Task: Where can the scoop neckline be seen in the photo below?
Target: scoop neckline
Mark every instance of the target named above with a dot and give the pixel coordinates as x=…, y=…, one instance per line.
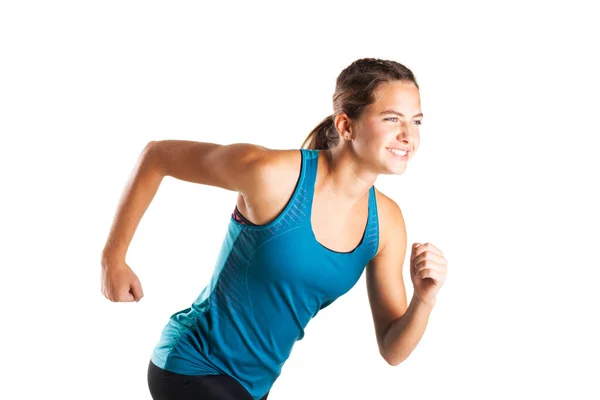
x=310, y=226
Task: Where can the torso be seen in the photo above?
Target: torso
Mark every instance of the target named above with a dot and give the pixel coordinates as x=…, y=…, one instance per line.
x=270, y=281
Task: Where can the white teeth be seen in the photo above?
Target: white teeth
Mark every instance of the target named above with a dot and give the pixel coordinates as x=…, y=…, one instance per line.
x=398, y=152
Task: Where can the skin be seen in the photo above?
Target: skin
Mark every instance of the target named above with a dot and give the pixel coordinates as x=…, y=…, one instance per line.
x=265, y=180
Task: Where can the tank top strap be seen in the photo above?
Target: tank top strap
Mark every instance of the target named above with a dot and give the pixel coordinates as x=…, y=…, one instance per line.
x=306, y=189
x=371, y=236
x=301, y=203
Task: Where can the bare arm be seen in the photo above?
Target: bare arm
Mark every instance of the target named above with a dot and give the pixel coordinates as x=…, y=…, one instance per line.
x=231, y=167
x=399, y=327
x=406, y=332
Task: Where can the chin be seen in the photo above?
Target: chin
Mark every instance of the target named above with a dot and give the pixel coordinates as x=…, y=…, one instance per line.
x=397, y=170
x=392, y=169
x=393, y=166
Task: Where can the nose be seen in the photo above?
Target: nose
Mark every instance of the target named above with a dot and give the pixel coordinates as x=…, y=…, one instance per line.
x=406, y=136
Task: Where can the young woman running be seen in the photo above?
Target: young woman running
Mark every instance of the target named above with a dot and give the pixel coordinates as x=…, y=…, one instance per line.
x=306, y=225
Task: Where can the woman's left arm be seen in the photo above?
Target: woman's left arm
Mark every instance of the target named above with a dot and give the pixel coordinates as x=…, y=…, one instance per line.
x=399, y=327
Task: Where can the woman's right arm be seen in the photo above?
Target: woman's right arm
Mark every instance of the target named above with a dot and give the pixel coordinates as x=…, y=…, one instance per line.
x=233, y=167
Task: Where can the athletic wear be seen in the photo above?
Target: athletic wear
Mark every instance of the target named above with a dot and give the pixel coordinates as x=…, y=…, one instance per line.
x=269, y=282
x=240, y=218
x=166, y=385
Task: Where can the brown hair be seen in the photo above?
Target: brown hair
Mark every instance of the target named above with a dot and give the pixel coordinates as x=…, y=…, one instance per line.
x=354, y=90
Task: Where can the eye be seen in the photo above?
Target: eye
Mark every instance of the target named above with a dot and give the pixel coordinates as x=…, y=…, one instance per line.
x=417, y=122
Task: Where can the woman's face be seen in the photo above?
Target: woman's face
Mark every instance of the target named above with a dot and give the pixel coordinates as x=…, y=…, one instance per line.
x=391, y=122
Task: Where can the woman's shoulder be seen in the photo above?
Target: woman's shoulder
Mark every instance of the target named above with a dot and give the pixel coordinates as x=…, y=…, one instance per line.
x=391, y=219
x=279, y=164
x=386, y=206
x=275, y=175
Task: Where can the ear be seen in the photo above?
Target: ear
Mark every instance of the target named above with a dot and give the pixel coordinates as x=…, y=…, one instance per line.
x=342, y=124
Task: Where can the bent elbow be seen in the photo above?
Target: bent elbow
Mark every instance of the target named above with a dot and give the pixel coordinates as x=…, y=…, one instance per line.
x=394, y=360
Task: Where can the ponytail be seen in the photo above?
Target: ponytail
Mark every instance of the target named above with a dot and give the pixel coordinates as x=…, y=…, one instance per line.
x=322, y=136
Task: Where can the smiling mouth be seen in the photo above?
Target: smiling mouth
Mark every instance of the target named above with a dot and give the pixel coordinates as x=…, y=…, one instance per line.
x=398, y=152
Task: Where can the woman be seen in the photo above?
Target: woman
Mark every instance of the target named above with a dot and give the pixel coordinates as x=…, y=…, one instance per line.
x=306, y=225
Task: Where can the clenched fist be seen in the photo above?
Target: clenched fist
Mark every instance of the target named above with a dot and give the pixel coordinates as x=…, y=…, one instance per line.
x=427, y=270
x=120, y=283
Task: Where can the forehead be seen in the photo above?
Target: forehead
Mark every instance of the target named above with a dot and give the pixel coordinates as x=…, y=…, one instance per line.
x=401, y=96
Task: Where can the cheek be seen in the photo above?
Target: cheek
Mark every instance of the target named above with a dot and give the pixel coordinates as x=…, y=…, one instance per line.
x=373, y=135
x=372, y=138
x=370, y=142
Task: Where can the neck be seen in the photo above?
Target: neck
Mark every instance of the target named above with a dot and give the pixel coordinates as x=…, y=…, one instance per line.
x=343, y=176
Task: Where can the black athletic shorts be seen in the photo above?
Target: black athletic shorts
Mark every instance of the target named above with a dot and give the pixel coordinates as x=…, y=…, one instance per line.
x=166, y=385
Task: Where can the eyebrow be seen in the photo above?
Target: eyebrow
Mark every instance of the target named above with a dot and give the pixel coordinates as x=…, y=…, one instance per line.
x=399, y=113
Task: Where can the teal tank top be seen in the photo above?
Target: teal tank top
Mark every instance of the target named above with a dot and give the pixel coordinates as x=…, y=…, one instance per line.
x=269, y=282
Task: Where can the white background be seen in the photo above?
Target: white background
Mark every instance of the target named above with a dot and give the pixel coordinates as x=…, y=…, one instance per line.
x=505, y=183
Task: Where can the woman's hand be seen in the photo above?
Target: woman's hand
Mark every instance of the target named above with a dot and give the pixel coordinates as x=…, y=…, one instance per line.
x=119, y=282
x=427, y=271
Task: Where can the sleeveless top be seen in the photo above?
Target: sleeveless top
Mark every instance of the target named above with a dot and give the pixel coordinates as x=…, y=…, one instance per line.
x=268, y=283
